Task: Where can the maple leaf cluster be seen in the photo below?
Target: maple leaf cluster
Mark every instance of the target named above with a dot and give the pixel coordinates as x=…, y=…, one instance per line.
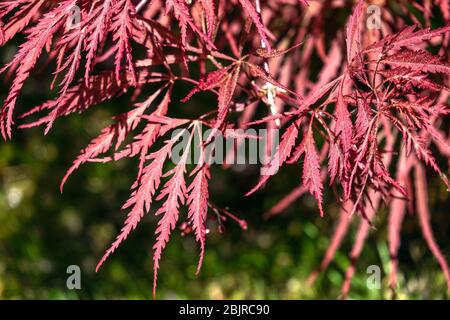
x=365, y=123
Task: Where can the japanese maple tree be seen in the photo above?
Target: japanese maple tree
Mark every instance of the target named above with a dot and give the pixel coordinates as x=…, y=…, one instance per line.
x=360, y=103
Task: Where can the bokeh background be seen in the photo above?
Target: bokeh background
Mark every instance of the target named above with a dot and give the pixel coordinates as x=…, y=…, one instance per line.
x=42, y=232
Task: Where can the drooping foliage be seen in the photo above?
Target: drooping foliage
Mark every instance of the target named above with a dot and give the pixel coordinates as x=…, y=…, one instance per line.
x=365, y=124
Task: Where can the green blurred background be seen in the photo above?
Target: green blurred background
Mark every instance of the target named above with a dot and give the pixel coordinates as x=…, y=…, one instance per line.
x=43, y=232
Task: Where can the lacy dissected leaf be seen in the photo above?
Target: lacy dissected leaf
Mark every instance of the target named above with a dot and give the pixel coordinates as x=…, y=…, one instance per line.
x=419, y=144
x=259, y=72
x=183, y=16
x=311, y=170
x=226, y=92
x=27, y=57
x=353, y=32
x=78, y=98
x=408, y=37
x=198, y=207
x=212, y=80
x=71, y=63
x=210, y=12
x=175, y=193
x=282, y=153
x=363, y=119
x=104, y=141
x=253, y=14
x=122, y=29
x=418, y=61
x=142, y=196
x=144, y=140
x=344, y=126
x=402, y=76
x=342, y=140
x=316, y=95
x=118, y=131
x=23, y=15
x=97, y=34
x=228, y=85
